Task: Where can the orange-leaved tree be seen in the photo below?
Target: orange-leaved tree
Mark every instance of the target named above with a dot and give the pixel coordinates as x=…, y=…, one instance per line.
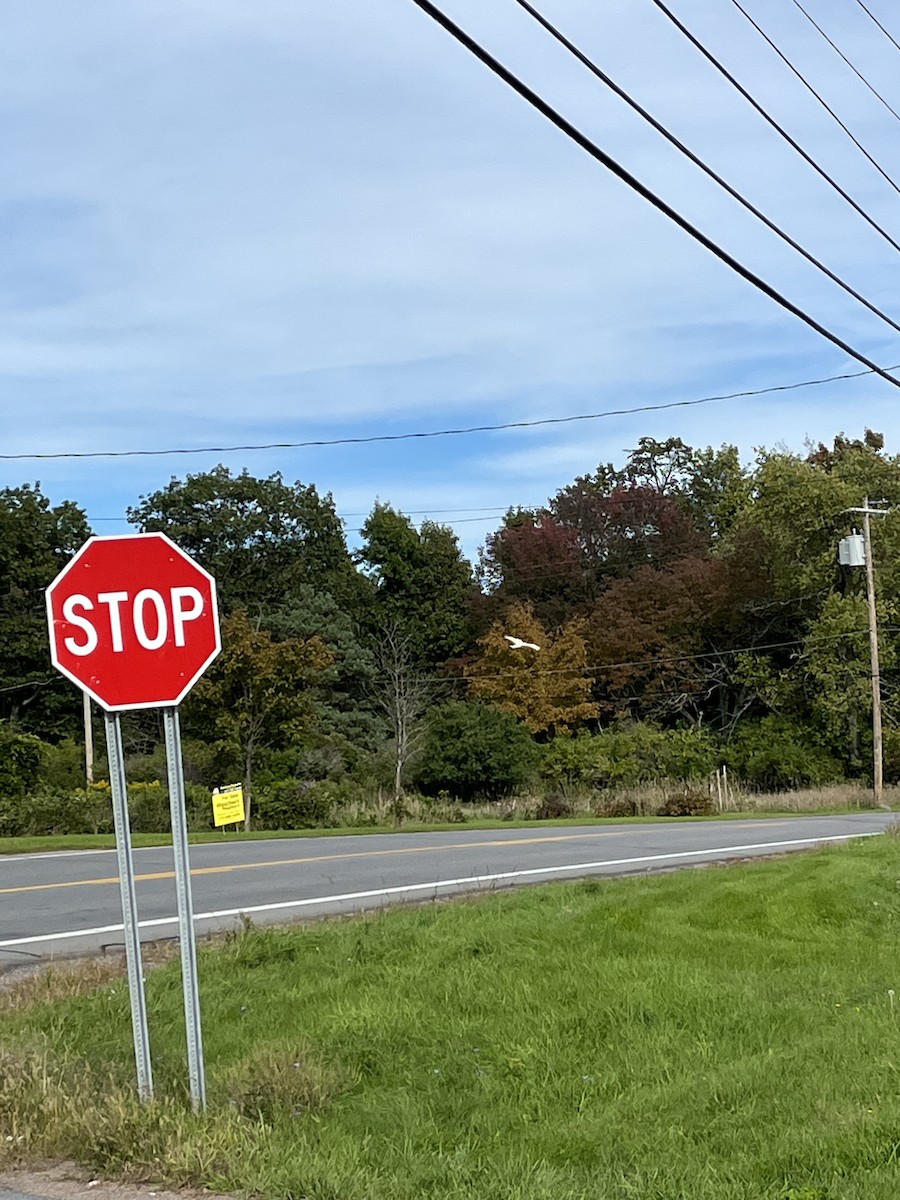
x=548, y=689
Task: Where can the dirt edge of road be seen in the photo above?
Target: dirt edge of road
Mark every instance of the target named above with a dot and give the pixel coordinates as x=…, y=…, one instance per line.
x=68, y=1181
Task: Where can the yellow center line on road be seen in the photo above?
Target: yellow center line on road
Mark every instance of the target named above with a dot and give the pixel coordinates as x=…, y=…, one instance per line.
x=320, y=858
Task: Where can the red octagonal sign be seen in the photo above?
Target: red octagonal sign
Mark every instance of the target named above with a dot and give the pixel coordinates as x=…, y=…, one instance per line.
x=133, y=621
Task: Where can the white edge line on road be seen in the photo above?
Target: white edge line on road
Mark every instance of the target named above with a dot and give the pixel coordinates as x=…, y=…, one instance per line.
x=5, y=858
x=435, y=885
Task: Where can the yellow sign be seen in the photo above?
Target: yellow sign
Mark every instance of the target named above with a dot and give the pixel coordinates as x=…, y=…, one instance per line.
x=228, y=805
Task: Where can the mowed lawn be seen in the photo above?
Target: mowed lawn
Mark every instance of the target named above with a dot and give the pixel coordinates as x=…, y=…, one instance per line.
x=718, y=1034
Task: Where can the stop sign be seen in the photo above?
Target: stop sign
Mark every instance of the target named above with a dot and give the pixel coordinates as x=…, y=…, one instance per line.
x=133, y=621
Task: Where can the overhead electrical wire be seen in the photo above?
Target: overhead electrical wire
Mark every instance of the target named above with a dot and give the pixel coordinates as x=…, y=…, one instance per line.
x=821, y=99
x=448, y=680
x=698, y=162
x=791, y=141
x=642, y=190
x=841, y=54
x=437, y=433
x=890, y=37
x=594, y=668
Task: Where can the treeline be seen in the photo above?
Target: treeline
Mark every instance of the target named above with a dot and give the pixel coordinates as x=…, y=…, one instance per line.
x=685, y=598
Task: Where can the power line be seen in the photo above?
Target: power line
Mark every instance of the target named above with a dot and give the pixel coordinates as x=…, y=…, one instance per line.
x=31, y=683
x=698, y=162
x=437, y=433
x=678, y=658
x=646, y=193
x=869, y=13
x=842, y=55
x=791, y=141
x=824, y=103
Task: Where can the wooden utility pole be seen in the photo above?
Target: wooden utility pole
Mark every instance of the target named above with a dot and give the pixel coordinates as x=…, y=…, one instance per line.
x=88, y=740
x=877, y=753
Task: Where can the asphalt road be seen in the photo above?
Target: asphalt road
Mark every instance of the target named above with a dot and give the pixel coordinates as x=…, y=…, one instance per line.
x=68, y=903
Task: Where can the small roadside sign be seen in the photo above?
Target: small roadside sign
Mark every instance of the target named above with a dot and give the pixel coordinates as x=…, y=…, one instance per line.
x=228, y=805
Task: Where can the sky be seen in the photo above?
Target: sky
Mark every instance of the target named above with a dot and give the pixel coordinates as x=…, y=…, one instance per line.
x=225, y=223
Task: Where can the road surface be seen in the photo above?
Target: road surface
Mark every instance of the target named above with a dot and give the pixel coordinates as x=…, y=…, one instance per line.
x=68, y=903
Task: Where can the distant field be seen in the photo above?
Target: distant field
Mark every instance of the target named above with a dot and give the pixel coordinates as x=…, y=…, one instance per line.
x=724, y=1034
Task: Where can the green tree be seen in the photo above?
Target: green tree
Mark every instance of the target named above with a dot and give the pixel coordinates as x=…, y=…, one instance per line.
x=835, y=656
x=346, y=720
x=259, y=538
x=475, y=750
x=710, y=484
x=423, y=585
x=37, y=539
x=798, y=509
x=257, y=695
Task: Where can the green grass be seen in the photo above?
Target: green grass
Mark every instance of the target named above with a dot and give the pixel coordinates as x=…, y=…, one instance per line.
x=725, y=1034
x=107, y=841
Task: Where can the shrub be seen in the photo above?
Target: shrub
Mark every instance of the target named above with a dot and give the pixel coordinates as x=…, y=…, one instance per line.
x=63, y=765
x=21, y=755
x=689, y=803
x=628, y=754
x=292, y=804
x=776, y=754
x=474, y=750
x=148, y=807
x=146, y=768
x=47, y=811
x=554, y=807
x=610, y=805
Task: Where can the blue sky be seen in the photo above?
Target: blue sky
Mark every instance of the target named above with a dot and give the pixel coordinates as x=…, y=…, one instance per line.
x=224, y=222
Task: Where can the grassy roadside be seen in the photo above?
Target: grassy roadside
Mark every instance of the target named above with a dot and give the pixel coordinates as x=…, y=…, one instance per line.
x=107, y=841
x=723, y=1034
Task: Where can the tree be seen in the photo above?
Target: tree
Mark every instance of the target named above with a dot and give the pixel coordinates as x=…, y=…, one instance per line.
x=645, y=635
x=259, y=538
x=345, y=717
x=534, y=559
x=475, y=750
x=256, y=696
x=629, y=527
x=711, y=485
x=548, y=689
x=835, y=655
x=423, y=585
x=404, y=694
x=36, y=541
x=798, y=510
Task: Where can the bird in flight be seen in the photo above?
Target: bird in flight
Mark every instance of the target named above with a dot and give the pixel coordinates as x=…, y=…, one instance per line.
x=518, y=644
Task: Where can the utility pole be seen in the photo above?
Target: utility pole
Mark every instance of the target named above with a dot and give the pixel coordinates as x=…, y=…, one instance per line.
x=88, y=739
x=846, y=557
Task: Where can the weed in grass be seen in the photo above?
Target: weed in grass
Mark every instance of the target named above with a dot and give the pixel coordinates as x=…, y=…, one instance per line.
x=281, y=1080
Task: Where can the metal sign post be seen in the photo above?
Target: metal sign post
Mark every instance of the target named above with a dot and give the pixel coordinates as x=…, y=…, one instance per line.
x=174, y=764
x=129, y=906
